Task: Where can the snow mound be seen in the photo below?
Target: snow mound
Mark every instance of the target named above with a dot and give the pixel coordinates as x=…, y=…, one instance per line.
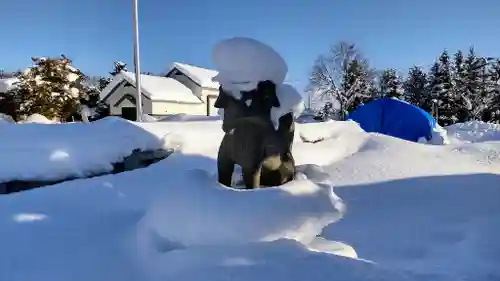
x=413, y=211
x=298, y=210
x=185, y=117
x=446, y=232
x=38, y=119
x=148, y=118
x=440, y=201
x=474, y=131
x=439, y=136
x=243, y=62
x=318, y=131
x=320, y=244
x=382, y=158
x=59, y=151
x=278, y=260
x=6, y=119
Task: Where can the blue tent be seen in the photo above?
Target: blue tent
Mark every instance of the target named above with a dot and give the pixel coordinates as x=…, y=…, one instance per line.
x=395, y=118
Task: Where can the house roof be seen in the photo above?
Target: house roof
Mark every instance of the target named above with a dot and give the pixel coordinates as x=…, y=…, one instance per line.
x=5, y=75
x=155, y=87
x=202, y=76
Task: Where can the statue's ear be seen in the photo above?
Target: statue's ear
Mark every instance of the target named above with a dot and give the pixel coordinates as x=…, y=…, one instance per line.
x=222, y=99
x=268, y=90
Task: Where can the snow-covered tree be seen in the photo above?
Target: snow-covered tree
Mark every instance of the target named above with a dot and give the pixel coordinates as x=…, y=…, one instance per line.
x=445, y=72
x=434, y=80
x=494, y=92
x=459, y=75
x=442, y=93
x=475, y=90
x=358, y=84
x=92, y=108
x=391, y=85
x=462, y=105
x=330, y=71
x=52, y=87
x=435, y=88
x=8, y=105
x=416, y=89
x=328, y=111
x=118, y=66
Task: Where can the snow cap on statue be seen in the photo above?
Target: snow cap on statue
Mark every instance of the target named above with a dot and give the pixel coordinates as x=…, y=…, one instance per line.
x=243, y=62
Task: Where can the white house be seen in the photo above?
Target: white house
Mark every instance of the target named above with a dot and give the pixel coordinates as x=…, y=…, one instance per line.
x=185, y=89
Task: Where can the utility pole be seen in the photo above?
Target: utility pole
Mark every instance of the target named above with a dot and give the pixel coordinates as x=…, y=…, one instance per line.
x=137, y=62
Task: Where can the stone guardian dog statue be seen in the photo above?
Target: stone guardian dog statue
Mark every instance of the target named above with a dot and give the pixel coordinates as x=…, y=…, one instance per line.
x=252, y=141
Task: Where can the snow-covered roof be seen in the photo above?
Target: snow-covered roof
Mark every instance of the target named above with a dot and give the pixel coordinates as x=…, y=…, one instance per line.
x=200, y=75
x=157, y=88
x=7, y=84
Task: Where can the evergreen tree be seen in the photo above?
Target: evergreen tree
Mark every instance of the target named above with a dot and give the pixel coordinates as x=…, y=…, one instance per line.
x=474, y=90
x=434, y=88
x=118, y=66
x=442, y=93
x=459, y=73
x=485, y=96
x=356, y=86
x=8, y=105
x=416, y=89
x=103, y=82
x=445, y=72
x=435, y=85
x=494, y=88
x=52, y=87
x=459, y=77
x=391, y=85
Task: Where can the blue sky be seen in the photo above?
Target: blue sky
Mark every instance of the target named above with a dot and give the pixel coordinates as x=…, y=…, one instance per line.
x=391, y=33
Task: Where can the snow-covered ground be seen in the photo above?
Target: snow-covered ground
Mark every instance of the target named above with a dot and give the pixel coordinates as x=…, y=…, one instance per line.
x=474, y=131
x=386, y=209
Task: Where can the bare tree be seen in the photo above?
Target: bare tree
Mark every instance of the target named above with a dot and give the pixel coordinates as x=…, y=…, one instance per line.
x=330, y=71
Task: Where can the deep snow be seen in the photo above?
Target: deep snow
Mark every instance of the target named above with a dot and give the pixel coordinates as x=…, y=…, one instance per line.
x=410, y=211
x=474, y=131
x=57, y=151
x=243, y=62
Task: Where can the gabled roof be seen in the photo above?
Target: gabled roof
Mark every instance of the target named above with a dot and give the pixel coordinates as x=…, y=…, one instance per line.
x=156, y=88
x=202, y=76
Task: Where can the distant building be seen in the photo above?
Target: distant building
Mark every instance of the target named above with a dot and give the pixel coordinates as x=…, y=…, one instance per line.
x=6, y=75
x=184, y=89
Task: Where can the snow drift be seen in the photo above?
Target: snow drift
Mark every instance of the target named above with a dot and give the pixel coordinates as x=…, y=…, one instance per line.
x=474, y=131
x=409, y=208
x=34, y=151
x=300, y=210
